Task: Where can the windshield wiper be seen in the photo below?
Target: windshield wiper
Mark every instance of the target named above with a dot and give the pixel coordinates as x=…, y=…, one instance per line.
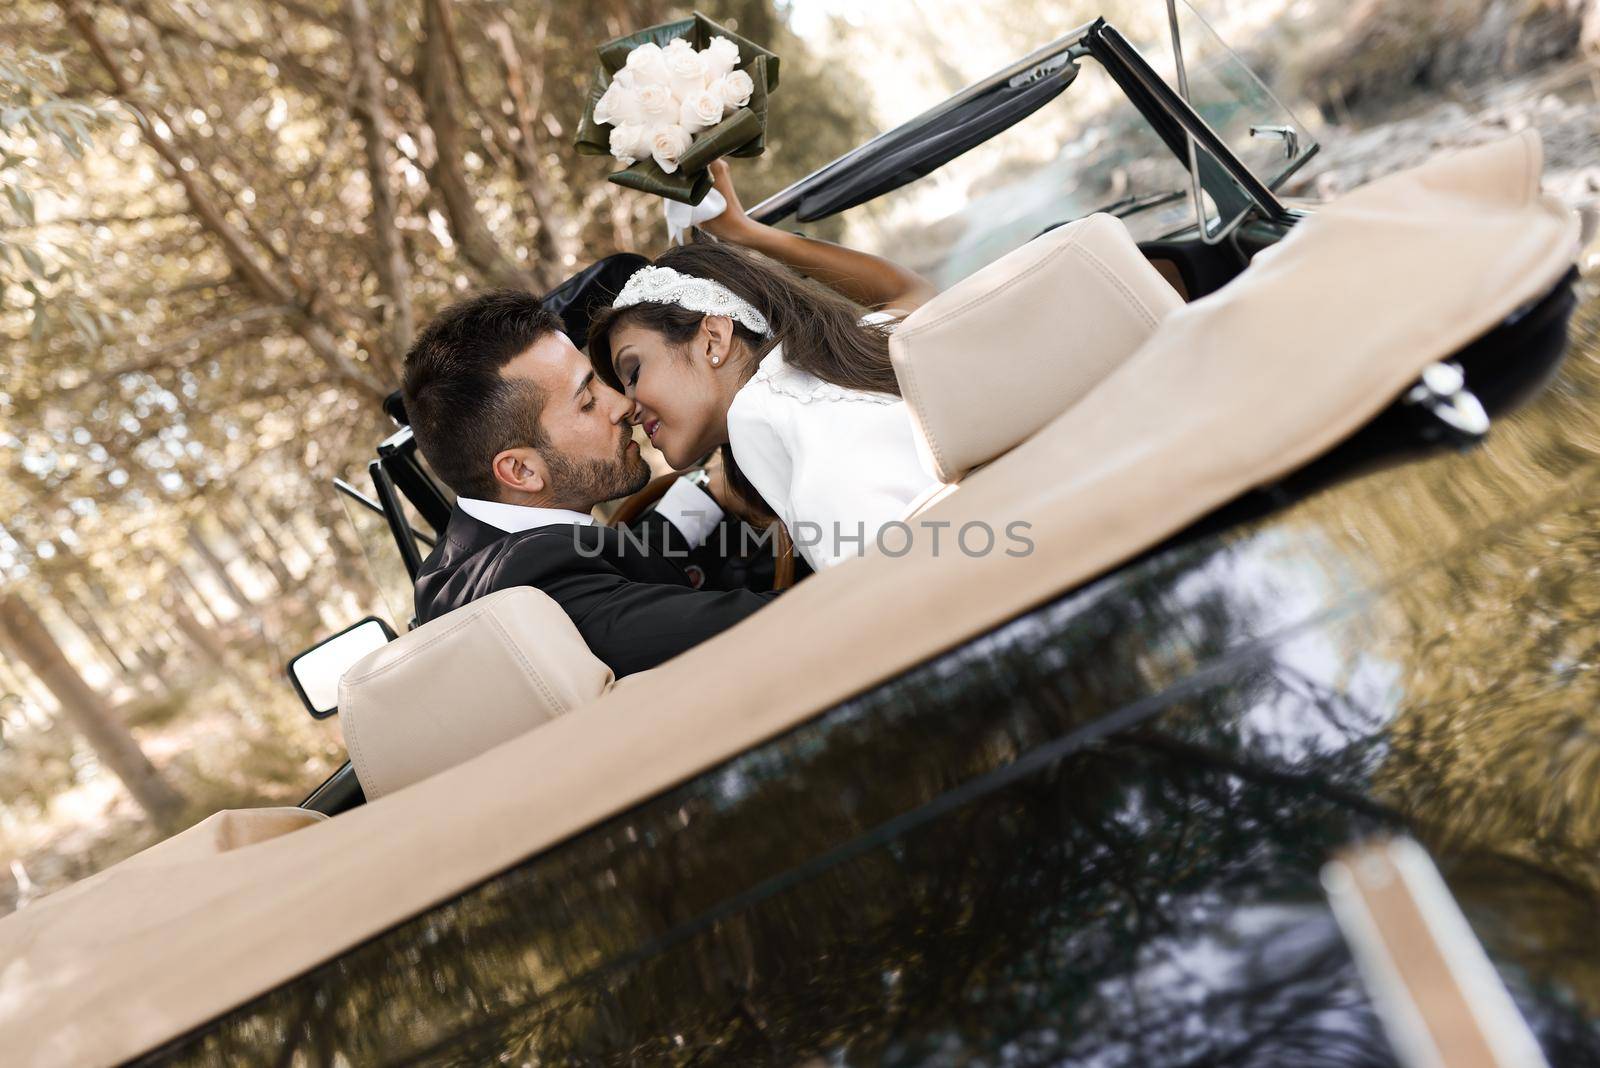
x=1121, y=209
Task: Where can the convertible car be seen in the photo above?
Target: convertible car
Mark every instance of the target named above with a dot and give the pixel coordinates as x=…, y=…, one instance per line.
x=1310, y=503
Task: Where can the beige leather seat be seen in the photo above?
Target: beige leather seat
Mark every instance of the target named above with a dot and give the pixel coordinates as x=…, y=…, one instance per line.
x=991, y=360
x=461, y=685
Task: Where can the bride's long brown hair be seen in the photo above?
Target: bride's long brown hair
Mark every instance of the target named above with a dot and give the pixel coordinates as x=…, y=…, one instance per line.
x=821, y=330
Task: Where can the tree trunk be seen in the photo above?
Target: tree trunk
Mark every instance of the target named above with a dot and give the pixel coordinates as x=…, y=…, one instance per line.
x=219, y=569
x=441, y=105
x=289, y=524
x=83, y=618
x=114, y=623
x=271, y=543
x=551, y=255
x=348, y=559
x=25, y=632
x=203, y=638
x=394, y=269
x=185, y=585
x=258, y=549
x=272, y=528
x=135, y=632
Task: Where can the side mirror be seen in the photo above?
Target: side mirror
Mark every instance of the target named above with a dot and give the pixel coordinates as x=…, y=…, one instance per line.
x=316, y=672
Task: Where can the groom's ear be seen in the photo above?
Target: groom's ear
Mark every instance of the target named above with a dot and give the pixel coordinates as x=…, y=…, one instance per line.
x=716, y=340
x=521, y=471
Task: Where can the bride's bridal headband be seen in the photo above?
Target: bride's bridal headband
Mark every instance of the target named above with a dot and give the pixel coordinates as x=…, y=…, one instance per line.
x=663, y=285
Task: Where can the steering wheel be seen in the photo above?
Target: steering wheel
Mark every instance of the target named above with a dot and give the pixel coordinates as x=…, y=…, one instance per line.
x=636, y=504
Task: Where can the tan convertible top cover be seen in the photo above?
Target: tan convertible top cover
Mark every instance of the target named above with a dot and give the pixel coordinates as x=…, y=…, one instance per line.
x=1232, y=391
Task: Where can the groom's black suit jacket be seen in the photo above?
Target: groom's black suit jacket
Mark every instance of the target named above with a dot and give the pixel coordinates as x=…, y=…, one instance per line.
x=631, y=601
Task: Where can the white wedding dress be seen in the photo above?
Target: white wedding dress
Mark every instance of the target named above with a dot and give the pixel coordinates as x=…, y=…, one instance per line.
x=835, y=464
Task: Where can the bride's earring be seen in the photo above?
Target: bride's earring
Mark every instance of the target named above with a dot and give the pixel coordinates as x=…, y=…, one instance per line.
x=714, y=359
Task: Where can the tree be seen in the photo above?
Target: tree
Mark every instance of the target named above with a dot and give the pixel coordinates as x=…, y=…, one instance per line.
x=220, y=223
x=23, y=632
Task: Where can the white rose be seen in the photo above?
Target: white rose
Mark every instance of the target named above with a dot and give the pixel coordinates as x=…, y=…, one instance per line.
x=657, y=105
x=679, y=44
x=618, y=105
x=688, y=72
x=649, y=65
x=625, y=79
x=667, y=143
x=630, y=143
x=700, y=110
x=721, y=56
x=626, y=106
x=734, y=89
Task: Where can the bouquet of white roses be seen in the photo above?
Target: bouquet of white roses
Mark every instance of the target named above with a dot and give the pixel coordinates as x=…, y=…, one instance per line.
x=669, y=100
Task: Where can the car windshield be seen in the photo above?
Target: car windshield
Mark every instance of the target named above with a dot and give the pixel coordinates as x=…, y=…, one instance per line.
x=1089, y=149
x=383, y=569
x=1251, y=121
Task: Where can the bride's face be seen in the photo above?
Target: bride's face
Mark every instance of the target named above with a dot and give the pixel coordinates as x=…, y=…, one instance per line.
x=681, y=395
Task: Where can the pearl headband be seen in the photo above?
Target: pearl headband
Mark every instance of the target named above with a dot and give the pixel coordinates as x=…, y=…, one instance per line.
x=663, y=285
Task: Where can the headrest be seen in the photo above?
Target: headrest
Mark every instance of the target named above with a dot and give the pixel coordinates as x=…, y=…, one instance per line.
x=999, y=354
x=462, y=684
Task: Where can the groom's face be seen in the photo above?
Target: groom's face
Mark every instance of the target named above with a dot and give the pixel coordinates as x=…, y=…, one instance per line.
x=590, y=455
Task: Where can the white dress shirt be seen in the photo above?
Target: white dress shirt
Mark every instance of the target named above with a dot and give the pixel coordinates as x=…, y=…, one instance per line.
x=842, y=461
x=684, y=505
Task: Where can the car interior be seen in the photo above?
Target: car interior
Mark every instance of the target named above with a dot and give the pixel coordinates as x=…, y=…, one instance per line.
x=525, y=658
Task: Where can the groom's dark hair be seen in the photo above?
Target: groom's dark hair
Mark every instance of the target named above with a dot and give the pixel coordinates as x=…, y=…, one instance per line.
x=462, y=411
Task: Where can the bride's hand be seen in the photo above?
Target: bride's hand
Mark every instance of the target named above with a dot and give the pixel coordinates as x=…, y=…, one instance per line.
x=733, y=224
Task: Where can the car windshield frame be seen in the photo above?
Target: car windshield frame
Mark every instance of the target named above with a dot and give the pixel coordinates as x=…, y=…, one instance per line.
x=1231, y=184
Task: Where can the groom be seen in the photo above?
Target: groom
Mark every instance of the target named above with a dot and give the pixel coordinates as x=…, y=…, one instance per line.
x=511, y=416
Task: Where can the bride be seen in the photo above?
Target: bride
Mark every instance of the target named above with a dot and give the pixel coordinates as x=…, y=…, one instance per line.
x=721, y=345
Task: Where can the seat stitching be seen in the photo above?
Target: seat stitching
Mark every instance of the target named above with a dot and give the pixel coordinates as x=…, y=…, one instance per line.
x=433, y=639
x=364, y=772
x=1117, y=282
x=914, y=388
x=528, y=668
x=915, y=328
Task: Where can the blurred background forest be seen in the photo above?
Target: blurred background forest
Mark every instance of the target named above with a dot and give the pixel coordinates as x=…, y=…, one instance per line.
x=221, y=221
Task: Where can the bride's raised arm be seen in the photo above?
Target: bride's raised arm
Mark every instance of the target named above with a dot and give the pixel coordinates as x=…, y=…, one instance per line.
x=868, y=280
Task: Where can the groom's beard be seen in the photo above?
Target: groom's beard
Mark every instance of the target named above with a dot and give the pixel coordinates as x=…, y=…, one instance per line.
x=595, y=481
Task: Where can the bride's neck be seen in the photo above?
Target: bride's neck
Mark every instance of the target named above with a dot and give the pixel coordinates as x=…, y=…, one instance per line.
x=728, y=382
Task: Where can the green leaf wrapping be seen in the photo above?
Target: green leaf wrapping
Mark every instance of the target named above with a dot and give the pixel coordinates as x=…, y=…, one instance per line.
x=744, y=133
x=593, y=138
x=758, y=106
x=690, y=187
x=728, y=136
